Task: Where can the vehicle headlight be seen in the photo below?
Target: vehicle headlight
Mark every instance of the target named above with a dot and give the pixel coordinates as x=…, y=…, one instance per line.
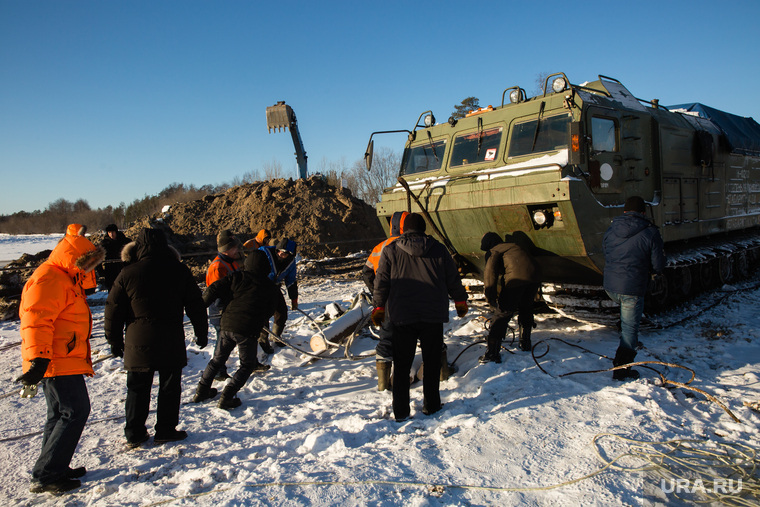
x=514, y=96
x=559, y=84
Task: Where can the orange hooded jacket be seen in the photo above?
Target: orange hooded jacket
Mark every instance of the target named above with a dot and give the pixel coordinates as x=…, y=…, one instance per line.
x=89, y=281
x=55, y=317
x=261, y=239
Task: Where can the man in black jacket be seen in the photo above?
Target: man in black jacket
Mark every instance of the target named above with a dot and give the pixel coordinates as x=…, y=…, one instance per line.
x=113, y=242
x=511, y=281
x=150, y=297
x=415, y=277
x=250, y=299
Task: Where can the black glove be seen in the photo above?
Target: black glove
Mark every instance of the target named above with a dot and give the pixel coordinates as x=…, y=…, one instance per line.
x=35, y=372
x=201, y=341
x=117, y=350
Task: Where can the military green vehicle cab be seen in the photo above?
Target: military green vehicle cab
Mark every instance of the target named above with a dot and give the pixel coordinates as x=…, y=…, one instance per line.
x=555, y=169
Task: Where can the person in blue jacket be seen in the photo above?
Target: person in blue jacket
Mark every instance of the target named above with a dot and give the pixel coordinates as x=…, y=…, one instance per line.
x=633, y=251
x=282, y=263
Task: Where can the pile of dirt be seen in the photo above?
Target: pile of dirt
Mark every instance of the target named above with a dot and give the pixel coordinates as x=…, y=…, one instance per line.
x=323, y=220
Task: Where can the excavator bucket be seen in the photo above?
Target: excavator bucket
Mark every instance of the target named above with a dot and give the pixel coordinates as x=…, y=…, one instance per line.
x=280, y=116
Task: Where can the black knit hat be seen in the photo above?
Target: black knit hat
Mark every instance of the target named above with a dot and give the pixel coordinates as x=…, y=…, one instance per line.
x=414, y=223
x=226, y=240
x=111, y=228
x=489, y=240
x=286, y=245
x=635, y=203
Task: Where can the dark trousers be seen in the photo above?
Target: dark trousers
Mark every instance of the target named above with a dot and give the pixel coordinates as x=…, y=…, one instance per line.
x=513, y=299
x=68, y=407
x=215, y=320
x=137, y=406
x=247, y=350
x=281, y=312
x=384, y=348
x=404, y=341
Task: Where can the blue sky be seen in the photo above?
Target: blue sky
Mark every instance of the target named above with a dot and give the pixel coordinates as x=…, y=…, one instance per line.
x=112, y=100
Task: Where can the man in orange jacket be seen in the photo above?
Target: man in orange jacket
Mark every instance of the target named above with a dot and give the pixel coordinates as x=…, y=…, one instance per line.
x=384, y=349
x=55, y=349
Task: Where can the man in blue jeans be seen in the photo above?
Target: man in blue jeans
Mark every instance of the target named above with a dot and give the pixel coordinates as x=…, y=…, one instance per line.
x=633, y=249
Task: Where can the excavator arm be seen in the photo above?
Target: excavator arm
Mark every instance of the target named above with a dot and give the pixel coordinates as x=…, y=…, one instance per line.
x=281, y=116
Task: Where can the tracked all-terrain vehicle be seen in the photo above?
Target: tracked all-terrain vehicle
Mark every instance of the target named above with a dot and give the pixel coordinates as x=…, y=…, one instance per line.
x=553, y=170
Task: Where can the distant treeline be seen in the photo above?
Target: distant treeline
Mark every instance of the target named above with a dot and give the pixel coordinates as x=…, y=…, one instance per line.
x=366, y=185
x=61, y=212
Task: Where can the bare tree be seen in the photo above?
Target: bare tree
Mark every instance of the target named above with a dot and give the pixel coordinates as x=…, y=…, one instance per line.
x=541, y=82
x=273, y=170
x=370, y=184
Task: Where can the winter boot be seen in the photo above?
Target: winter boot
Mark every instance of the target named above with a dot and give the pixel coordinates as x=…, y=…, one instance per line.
x=228, y=400
x=260, y=367
x=169, y=436
x=490, y=357
x=624, y=356
x=58, y=487
x=264, y=342
x=203, y=393
x=383, y=375
x=525, y=344
x=445, y=371
x=277, y=331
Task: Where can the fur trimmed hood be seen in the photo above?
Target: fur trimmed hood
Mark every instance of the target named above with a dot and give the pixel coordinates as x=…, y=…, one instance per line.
x=75, y=252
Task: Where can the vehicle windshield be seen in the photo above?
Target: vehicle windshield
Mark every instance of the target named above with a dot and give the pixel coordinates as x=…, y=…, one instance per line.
x=474, y=147
x=420, y=158
x=553, y=134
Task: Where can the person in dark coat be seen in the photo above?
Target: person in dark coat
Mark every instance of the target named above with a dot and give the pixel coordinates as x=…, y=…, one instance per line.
x=150, y=297
x=633, y=249
x=112, y=243
x=250, y=300
x=415, y=278
x=282, y=269
x=511, y=281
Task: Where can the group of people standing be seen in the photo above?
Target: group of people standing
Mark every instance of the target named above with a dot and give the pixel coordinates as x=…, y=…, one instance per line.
x=411, y=275
x=150, y=292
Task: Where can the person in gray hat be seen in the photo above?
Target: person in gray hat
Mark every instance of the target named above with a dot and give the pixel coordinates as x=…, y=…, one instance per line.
x=226, y=262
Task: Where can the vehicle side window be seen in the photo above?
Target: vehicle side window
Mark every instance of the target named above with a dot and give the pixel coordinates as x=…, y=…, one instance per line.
x=474, y=147
x=423, y=157
x=553, y=134
x=603, y=136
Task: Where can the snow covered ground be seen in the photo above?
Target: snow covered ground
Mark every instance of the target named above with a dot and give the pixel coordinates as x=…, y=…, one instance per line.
x=321, y=434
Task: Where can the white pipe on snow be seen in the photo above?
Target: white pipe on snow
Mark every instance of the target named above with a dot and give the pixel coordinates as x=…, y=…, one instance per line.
x=340, y=329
